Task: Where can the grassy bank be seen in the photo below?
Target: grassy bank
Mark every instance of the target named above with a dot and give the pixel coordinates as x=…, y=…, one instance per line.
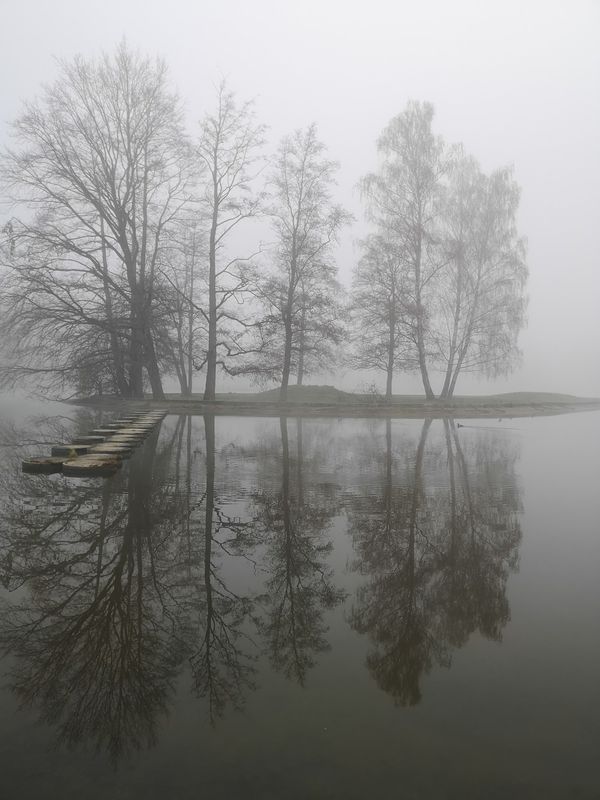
x=329, y=401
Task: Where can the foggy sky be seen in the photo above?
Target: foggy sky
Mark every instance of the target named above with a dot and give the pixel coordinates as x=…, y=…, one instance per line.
x=516, y=82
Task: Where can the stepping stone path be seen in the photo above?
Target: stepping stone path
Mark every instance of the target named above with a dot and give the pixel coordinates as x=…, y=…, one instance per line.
x=99, y=453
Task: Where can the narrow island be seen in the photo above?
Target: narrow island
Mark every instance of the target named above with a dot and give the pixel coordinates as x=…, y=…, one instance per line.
x=327, y=401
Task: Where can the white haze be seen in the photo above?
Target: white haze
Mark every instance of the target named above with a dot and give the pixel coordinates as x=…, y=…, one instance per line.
x=517, y=82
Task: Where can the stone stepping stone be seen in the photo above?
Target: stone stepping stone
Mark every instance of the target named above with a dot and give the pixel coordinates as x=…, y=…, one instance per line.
x=89, y=467
x=42, y=465
x=124, y=451
x=72, y=450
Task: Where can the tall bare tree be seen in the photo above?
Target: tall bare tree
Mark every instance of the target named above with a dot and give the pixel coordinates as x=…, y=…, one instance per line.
x=481, y=307
x=381, y=337
x=441, y=283
x=101, y=162
x=229, y=150
x=301, y=295
x=184, y=328
x=403, y=200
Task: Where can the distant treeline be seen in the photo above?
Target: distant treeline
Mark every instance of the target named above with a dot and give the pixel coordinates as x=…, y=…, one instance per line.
x=121, y=262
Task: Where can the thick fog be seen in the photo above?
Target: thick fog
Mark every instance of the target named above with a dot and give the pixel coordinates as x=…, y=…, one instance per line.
x=518, y=83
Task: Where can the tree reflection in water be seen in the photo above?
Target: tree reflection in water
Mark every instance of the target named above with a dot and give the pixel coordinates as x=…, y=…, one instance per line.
x=118, y=587
x=95, y=648
x=222, y=668
x=300, y=585
x=125, y=586
x=437, y=560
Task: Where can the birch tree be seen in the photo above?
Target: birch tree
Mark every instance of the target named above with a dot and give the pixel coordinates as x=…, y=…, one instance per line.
x=482, y=301
x=403, y=201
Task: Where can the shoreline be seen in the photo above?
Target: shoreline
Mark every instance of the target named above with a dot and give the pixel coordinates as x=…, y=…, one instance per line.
x=402, y=406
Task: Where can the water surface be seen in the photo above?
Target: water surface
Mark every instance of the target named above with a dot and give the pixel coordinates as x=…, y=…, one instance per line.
x=270, y=608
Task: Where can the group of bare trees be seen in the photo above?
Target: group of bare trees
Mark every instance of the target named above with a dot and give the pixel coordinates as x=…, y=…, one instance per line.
x=126, y=255
x=440, y=284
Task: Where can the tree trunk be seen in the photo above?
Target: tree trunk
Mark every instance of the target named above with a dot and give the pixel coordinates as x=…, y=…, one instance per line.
x=152, y=368
x=390, y=363
x=420, y=331
x=115, y=346
x=287, y=351
x=455, y=377
x=179, y=360
x=287, y=359
x=301, y=345
x=181, y=376
x=210, y=385
x=453, y=341
x=136, y=355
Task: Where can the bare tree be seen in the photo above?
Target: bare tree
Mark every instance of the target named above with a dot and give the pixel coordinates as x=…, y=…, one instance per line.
x=184, y=328
x=229, y=151
x=381, y=337
x=448, y=253
x=300, y=587
x=481, y=306
x=302, y=324
x=102, y=164
x=403, y=200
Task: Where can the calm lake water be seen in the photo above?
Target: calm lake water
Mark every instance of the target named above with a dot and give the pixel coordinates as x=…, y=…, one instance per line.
x=262, y=608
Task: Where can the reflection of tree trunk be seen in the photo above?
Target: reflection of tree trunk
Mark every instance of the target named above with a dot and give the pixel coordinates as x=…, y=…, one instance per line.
x=448, y=425
x=209, y=433
x=179, y=429
x=106, y=495
x=140, y=488
x=285, y=449
x=464, y=475
x=300, y=455
x=288, y=527
x=388, y=475
x=188, y=493
x=414, y=512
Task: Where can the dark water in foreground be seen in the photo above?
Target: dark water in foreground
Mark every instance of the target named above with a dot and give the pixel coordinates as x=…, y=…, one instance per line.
x=257, y=608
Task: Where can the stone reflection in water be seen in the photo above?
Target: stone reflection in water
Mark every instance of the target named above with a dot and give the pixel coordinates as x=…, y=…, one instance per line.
x=96, y=648
x=300, y=586
x=436, y=558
